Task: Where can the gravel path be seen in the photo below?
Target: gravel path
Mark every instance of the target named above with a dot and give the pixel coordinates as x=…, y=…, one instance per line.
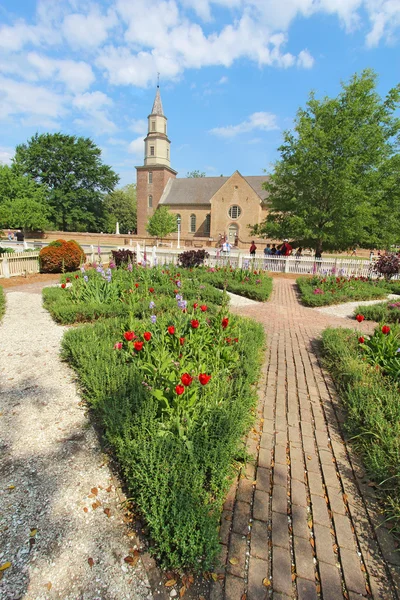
x=236, y=300
x=346, y=310
x=56, y=490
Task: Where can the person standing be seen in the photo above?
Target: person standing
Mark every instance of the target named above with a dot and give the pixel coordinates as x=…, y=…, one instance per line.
x=253, y=249
x=267, y=250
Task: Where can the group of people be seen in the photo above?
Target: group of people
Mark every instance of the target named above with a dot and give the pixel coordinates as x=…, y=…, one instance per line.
x=17, y=235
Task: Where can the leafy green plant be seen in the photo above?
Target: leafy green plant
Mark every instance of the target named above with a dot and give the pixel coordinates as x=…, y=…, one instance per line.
x=325, y=290
x=388, y=312
x=371, y=399
x=2, y=302
x=253, y=284
x=382, y=350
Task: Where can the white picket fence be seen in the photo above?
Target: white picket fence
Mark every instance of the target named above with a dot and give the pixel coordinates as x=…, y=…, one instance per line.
x=22, y=263
x=19, y=263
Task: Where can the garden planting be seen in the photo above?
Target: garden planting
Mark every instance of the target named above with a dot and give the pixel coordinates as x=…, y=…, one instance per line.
x=366, y=370
x=253, y=284
x=322, y=291
x=172, y=378
x=385, y=312
x=2, y=302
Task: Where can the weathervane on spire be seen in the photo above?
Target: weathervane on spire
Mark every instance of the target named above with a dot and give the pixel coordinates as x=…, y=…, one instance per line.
x=158, y=80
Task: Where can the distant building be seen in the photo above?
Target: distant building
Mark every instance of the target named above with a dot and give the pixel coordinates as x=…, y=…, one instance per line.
x=210, y=208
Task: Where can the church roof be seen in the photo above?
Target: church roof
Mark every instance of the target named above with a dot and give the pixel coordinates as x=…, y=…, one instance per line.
x=157, y=105
x=200, y=190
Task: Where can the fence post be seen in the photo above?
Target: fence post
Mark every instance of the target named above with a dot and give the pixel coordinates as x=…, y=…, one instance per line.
x=6, y=267
x=91, y=254
x=287, y=258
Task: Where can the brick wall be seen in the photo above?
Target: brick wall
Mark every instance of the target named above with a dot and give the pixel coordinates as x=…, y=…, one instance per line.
x=144, y=189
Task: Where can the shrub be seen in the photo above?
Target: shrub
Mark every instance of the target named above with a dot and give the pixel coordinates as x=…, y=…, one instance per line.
x=387, y=265
x=60, y=256
x=384, y=311
x=123, y=257
x=255, y=285
x=192, y=258
x=373, y=411
x=7, y=250
x=176, y=450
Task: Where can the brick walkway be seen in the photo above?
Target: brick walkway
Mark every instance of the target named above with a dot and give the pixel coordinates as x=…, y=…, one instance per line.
x=302, y=522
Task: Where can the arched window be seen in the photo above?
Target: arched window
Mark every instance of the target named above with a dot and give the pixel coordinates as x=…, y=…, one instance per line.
x=150, y=177
x=234, y=212
x=208, y=224
x=192, y=223
x=150, y=201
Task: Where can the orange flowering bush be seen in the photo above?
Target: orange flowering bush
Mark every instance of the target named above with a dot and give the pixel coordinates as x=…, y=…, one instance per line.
x=61, y=256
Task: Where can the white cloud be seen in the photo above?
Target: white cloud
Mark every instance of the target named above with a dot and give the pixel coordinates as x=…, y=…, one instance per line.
x=92, y=100
x=259, y=121
x=136, y=147
x=138, y=126
x=6, y=155
x=94, y=106
x=88, y=30
x=305, y=60
x=76, y=75
x=223, y=80
x=20, y=98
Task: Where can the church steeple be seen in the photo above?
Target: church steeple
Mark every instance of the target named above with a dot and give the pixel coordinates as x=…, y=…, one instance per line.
x=156, y=143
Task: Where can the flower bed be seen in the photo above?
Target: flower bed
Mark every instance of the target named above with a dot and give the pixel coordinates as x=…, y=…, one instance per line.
x=103, y=293
x=388, y=312
x=253, y=284
x=365, y=372
x=175, y=392
x=322, y=291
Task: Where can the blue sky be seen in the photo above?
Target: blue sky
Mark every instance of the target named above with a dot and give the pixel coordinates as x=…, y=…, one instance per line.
x=233, y=72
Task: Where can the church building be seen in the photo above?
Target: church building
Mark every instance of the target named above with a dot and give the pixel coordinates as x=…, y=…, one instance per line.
x=210, y=208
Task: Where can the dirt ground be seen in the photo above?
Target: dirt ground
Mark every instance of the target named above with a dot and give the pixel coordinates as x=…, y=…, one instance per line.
x=29, y=279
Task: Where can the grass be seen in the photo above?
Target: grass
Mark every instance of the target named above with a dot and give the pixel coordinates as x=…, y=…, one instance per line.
x=388, y=312
x=255, y=285
x=373, y=413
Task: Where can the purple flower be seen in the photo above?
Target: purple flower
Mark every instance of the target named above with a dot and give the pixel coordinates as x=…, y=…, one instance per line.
x=83, y=268
x=130, y=267
x=112, y=264
x=178, y=283
x=178, y=297
x=99, y=269
x=108, y=278
x=182, y=304
x=86, y=278
x=398, y=351
x=153, y=318
x=152, y=304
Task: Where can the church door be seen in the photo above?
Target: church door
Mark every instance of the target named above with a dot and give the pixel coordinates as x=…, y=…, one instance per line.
x=233, y=232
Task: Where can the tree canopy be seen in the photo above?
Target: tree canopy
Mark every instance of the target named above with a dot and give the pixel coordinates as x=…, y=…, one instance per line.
x=72, y=171
x=337, y=182
x=120, y=206
x=162, y=223
x=22, y=201
x=195, y=174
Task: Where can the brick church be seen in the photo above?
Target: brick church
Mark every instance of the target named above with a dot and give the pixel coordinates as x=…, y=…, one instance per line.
x=210, y=208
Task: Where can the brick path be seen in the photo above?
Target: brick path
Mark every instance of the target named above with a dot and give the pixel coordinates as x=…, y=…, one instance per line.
x=302, y=522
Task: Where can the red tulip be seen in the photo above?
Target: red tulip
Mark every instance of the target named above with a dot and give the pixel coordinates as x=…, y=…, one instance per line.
x=360, y=318
x=186, y=379
x=138, y=346
x=151, y=290
x=385, y=329
x=68, y=280
x=136, y=285
x=236, y=340
x=179, y=389
x=171, y=330
x=176, y=292
x=194, y=323
x=118, y=346
x=224, y=323
x=361, y=340
x=147, y=336
x=203, y=308
x=63, y=286
x=181, y=341
x=195, y=305
x=129, y=335
x=76, y=276
x=204, y=378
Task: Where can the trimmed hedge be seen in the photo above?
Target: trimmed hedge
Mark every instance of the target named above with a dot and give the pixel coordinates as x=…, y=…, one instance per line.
x=178, y=480
x=373, y=412
x=389, y=312
x=254, y=285
x=60, y=256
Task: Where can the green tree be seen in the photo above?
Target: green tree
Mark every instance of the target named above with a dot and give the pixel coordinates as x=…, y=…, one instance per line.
x=162, y=223
x=120, y=206
x=23, y=202
x=195, y=174
x=72, y=170
x=337, y=174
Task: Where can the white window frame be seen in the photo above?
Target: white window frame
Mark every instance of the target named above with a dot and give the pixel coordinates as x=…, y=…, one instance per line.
x=192, y=223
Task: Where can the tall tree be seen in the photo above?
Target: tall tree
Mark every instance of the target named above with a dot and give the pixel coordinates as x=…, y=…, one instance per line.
x=71, y=169
x=120, y=206
x=162, y=223
x=23, y=202
x=338, y=170
x=195, y=174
